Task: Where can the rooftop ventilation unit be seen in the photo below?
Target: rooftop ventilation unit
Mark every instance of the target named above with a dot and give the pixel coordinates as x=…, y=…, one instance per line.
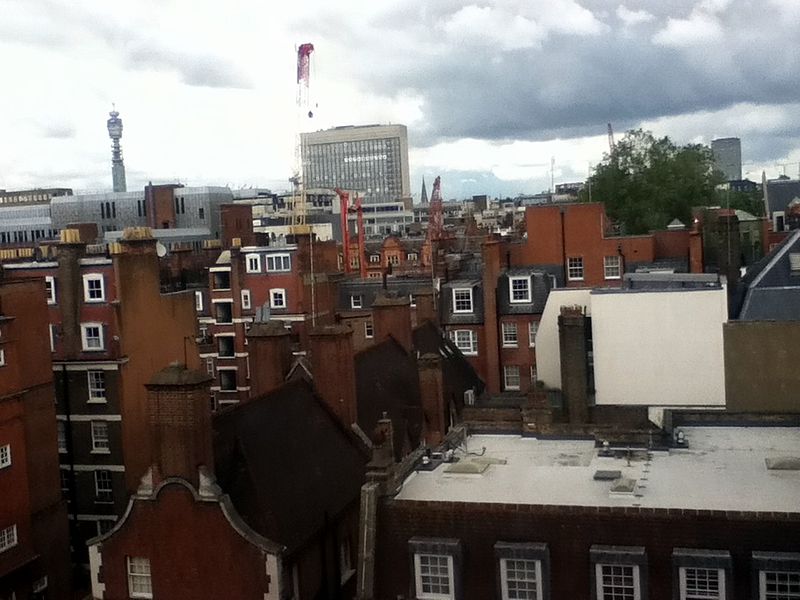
x=783, y=463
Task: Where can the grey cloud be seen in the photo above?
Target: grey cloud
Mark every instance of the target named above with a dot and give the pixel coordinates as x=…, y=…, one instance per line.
x=59, y=131
x=203, y=70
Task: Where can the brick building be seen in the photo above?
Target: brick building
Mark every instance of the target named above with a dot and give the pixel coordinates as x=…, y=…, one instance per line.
x=110, y=328
x=521, y=517
x=34, y=542
x=395, y=255
x=260, y=283
x=259, y=513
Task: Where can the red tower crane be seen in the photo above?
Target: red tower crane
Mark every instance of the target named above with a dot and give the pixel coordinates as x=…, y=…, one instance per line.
x=347, y=209
x=436, y=214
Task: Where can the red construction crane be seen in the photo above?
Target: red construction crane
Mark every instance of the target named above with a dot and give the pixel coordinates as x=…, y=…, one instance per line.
x=346, y=210
x=436, y=214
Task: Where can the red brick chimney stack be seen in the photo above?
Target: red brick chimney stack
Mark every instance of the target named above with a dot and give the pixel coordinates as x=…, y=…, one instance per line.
x=426, y=305
x=70, y=250
x=491, y=271
x=391, y=316
x=270, y=351
x=574, y=369
x=333, y=369
x=179, y=415
x=434, y=405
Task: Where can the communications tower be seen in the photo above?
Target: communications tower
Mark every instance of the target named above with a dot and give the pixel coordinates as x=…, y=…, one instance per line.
x=114, y=125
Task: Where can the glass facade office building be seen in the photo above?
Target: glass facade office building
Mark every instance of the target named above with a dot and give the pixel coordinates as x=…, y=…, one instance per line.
x=371, y=160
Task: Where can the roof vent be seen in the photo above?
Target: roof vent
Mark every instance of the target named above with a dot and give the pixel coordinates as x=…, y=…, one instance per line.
x=624, y=486
x=783, y=463
x=794, y=263
x=602, y=475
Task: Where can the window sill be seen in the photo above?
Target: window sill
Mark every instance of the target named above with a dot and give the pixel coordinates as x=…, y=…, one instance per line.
x=525, y=301
x=617, y=278
x=94, y=350
x=94, y=300
x=510, y=345
x=100, y=452
x=98, y=401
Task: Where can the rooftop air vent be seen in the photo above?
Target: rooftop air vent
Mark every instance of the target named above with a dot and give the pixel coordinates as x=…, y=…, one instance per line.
x=624, y=486
x=603, y=475
x=783, y=463
x=794, y=263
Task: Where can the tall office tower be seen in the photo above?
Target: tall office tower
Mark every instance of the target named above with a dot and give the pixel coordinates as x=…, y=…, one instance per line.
x=114, y=125
x=371, y=160
x=728, y=157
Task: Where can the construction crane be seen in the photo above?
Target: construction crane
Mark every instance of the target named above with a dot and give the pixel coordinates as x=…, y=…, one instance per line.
x=436, y=212
x=346, y=210
x=610, y=140
x=298, y=224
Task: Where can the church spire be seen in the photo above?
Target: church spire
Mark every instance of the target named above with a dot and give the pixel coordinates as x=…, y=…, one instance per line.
x=424, y=194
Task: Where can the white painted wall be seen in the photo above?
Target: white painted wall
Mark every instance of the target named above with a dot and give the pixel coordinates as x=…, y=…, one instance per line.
x=548, y=357
x=659, y=348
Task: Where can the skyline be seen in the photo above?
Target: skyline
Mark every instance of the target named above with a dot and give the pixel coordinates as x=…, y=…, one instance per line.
x=489, y=93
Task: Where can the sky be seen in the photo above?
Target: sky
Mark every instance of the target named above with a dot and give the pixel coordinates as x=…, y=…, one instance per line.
x=495, y=94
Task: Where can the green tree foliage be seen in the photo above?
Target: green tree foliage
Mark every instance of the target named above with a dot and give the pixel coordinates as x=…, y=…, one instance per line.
x=647, y=182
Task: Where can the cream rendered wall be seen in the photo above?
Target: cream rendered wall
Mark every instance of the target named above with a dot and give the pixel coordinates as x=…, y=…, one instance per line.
x=548, y=357
x=659, y=348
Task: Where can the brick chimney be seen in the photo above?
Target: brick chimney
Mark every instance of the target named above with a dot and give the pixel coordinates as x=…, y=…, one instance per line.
x=572, y=325
x=179, y=415
x=491, y=271
x=696, y=252
x=391, y=316
x=333, y=369
x=70, y=290
x=270, y=356
x=434, y=404
x=426, y=305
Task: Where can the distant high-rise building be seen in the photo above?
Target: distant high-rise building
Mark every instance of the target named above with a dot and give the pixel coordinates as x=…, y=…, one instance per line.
x=114, y=125
x=424, y=196
x=728, y=157
x=371, y=160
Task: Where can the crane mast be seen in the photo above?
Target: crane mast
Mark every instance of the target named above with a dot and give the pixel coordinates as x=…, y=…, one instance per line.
x=298, y=224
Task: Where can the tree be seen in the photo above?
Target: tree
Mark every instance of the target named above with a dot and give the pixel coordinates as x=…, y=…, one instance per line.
x=646, y=182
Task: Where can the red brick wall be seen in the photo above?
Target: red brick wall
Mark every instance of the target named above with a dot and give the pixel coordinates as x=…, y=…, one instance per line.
x=569, y=533
x=193, y=550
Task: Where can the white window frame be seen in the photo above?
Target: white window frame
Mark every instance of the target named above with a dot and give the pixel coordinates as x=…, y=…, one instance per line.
x=285, y=261
x=533, y=329
x=616, y=267
x=2, y=357
x=393, y=260
x=50, y=287
x=575, y=267
x=100, y=437
x=504, y=576
x=637, y=587
x=52, y=330
x=528, y=291
x=140, y=577
x=412, y=256
x=419, y=577
x=98, y=491
x=198, y=301
x=510, y=334
x=252, y=263
x=85, y=337
x=356, y=301
x=468, y=343
x=5, y=456
x=699, y=594
x=8, y=538
x=97, y=394
x=374, y=258
x=369, y=330
x=762, y=582
x=508, y=377
x=93, y=277
x=534, y=375
x=246, y=300
x=471, y=308
x=272, y=294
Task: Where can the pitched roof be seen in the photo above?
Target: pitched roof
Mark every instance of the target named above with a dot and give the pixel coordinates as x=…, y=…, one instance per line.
x=286, y=463
x=772, y=289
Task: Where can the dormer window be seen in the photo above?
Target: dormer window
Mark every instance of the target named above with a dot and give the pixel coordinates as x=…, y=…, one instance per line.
x=519, y=289
x=462, y=300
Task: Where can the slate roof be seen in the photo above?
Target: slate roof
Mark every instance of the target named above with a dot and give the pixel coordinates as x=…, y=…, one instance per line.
x=771, y=289
x=540, y=289
x=287, y=464
x=780, y=192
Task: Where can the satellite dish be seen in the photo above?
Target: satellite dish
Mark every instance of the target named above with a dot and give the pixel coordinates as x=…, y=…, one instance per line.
x=161, y=249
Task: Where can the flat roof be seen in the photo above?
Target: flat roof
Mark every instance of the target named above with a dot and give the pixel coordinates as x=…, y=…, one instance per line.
x=723, y=468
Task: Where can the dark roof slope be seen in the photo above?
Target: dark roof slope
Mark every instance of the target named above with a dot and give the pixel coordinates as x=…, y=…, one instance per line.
x=772, y=289
x=286, y=463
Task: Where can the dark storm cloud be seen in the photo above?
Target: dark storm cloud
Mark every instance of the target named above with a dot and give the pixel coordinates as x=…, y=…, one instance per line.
x=679, y=57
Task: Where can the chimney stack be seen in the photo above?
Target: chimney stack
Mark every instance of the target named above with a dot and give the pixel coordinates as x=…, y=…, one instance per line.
x=179, y=415
x=426, y=305
x=574, y=366
x=333, y=369
x=70, y=290
x=391, y=316
x=434, y=404
x=491, y=271
x=270, y=351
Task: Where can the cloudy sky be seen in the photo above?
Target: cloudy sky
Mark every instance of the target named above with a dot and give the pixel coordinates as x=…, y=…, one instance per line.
x=490, y=91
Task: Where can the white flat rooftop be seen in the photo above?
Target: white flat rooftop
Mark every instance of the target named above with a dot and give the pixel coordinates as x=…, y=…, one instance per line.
x=723, y=468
